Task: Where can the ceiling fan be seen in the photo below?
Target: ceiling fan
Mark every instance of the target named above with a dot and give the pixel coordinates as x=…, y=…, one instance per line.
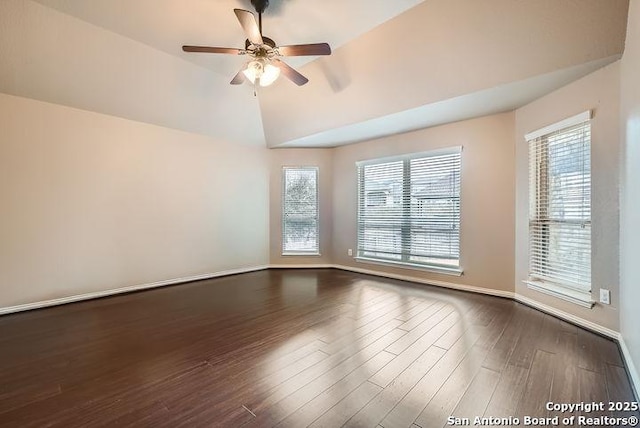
x=264, y=65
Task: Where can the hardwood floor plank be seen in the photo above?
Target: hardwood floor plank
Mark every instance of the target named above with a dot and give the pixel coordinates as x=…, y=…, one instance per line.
x=314, y=408
x=410, y=406
x=475, y=400
x=396, y=307
x=497, y=326
x=385, y=376
x=443, y=403
x=596, y=352
x=446, y=314
x=593, y=389
x=525, y=348
x=337, y=365
x=538, y=388
x=422, y=306
x=548, y=338
x=375, y=411
x=565, y=371
x=436, y=393
x=619, y=389
x=420, y=318
x=27, y=394
x=485, y=315
x=507, y=342
x=356, y=333
x=447, y=340
x=294, y=368
x=279, y=361
x=508, y=392
x=347, y=407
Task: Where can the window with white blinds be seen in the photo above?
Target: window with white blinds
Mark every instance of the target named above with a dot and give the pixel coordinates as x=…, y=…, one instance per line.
x=409, y=210
x=560, y=211
x=300, y=211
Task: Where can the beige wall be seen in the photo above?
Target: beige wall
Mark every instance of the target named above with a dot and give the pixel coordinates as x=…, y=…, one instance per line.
x=630, y=208
x=93, y=202
x=487, y=216
x=321, y=158
x=598, y=91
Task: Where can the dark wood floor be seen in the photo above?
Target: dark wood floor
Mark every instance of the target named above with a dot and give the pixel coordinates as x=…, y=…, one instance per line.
x=295, y=348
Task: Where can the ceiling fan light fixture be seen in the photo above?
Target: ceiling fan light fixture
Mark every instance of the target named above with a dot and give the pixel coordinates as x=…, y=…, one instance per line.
x=263, y=51
x=269, y=75
x=254, y=70
x=262, y=71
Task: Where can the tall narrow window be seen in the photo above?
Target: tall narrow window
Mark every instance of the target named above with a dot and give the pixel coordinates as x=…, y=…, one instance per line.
x=409, y=210
x=300, y=211
x=560, y=210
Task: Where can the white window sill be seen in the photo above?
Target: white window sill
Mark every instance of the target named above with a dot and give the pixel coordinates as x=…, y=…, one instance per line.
x=429, y=268
x=298, y=254
x=581, y=298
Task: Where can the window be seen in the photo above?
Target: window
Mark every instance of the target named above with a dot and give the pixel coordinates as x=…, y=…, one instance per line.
x=300, y=211
x=560, y=210
x=409, y=210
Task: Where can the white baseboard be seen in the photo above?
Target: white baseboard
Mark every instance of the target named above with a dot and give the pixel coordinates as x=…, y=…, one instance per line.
x=444, y=284
x=631, y=367
x=129, y=289
x=303, y=266
x=568, y=317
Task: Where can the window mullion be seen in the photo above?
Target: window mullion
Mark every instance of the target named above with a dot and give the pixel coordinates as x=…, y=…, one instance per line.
x=406, y=211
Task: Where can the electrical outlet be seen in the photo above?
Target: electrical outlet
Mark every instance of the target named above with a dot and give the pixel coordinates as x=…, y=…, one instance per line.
x=350, y=252
x=605, y=296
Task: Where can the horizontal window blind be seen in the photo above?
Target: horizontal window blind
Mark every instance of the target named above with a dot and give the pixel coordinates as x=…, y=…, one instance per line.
x=409, y=209
x=560, y=208
x=300, y=211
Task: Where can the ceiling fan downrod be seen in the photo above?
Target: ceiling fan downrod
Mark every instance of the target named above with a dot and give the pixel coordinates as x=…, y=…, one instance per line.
x=260, y=6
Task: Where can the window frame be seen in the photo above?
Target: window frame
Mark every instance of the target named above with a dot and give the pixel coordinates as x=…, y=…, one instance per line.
x=548, y=285
x=406, y=209
x=310, y=253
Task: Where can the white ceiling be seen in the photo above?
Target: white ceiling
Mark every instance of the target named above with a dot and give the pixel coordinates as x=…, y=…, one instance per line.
x=166, y=25
x=397, y=65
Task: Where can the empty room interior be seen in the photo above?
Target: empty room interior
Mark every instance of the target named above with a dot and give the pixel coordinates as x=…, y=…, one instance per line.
x=292, y=213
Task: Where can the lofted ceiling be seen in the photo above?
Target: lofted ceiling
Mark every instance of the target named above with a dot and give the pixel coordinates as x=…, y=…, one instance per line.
x=167, y=24
x=397, y=65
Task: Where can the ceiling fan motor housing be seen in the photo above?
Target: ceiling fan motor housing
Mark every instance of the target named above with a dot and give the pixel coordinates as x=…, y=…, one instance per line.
x=260, y=5
x=267, y=41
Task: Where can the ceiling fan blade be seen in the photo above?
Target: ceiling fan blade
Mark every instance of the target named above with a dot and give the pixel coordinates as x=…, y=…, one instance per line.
x=239, y=78
x=211, y=49
x=291, y=73
x=305, y=50
x=249, y=25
